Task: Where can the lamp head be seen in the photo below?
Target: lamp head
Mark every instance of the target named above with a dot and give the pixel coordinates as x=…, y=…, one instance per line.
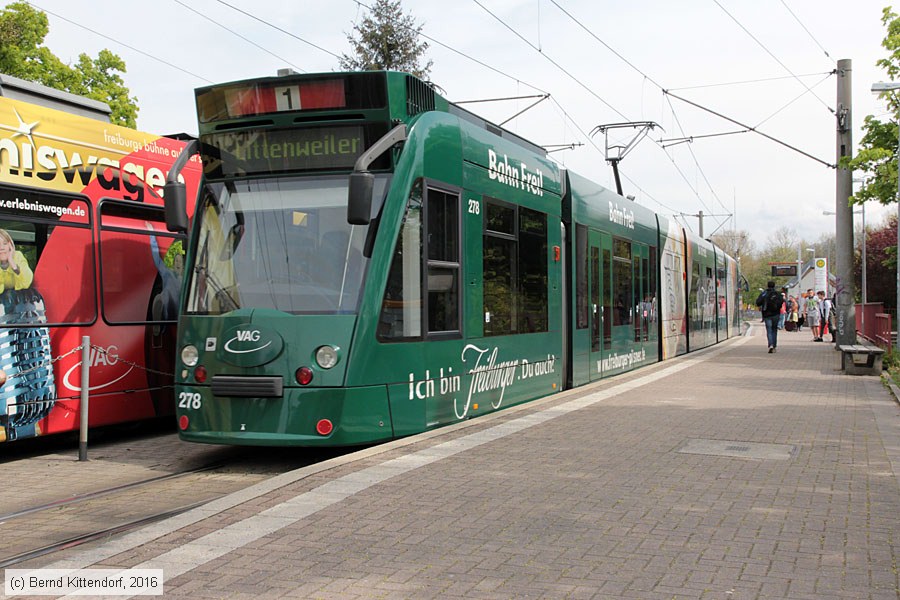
x=885, y=86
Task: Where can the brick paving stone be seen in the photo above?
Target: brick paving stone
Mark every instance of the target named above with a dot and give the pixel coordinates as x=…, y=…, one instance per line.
x=600, y=503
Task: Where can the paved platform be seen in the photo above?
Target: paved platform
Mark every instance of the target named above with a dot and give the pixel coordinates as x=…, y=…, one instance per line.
x=728, y=474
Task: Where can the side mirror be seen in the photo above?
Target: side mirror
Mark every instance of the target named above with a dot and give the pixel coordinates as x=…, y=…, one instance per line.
x=176, y=193
x=359, y=202
x=176, y=206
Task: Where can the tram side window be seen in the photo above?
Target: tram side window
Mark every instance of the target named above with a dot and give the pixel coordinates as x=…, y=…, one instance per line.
x=637, y=296
x=499, y=267
x=651, y=291
x=695, y=293
x=721, y=302
x=595, y=300
x=581, y=270
x=607, y=299
x=401, y=307
x=442, y=209
x=515, y=269
x=532, y=271
x=432, y=220
x=622, y=282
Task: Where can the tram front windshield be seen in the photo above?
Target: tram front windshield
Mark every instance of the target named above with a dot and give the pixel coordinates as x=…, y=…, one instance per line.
x=279, y=243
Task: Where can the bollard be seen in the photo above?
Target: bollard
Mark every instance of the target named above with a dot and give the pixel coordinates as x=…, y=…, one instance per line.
x=85, y=385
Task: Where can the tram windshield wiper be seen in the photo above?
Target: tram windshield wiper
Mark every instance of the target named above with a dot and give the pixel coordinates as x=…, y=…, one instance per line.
x=221, y=294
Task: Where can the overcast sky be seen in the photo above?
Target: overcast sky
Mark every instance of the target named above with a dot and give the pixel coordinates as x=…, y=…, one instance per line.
x=504, y=48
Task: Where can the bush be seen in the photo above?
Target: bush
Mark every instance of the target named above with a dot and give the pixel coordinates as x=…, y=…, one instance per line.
x=891, y=360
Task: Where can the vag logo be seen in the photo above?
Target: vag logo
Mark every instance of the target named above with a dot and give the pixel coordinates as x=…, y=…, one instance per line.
x=97, y=359
x=246, y=335
x=247, y=345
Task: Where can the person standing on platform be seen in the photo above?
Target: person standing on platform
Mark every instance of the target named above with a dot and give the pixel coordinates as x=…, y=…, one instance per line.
x=770, y=302
x=811, y=308
x=783, y=316
x=825, y=317
x=792, y=323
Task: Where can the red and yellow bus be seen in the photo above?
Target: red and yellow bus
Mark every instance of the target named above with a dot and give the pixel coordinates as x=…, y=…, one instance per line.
x=84, y=251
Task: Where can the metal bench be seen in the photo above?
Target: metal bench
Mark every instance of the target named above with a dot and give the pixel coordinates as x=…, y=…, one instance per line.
x=861, y=359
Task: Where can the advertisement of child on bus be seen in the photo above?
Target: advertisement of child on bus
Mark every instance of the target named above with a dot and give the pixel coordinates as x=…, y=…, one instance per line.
x=84, y=251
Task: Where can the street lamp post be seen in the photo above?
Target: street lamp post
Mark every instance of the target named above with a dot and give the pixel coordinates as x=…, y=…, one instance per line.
x=880, y=88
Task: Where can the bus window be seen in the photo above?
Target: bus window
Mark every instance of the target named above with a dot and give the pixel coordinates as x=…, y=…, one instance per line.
x=53, y=283
x=141, y=281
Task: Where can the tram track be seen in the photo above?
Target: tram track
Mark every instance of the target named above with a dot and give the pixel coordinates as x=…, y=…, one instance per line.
x=95, y=535
x=103, y=492
x=50, y=527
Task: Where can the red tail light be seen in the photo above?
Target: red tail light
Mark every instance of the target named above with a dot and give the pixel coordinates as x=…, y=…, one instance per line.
x=183, y=422
x=304, y=375
x=324, y=427
x=200, y=374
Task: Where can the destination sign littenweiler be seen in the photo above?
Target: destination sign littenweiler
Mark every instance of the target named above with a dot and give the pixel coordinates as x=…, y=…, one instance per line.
x=284, y=150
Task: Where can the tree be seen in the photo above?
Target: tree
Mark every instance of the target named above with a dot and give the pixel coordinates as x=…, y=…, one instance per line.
x=387, y=39
x=782, y=244
x=22, y=54
x=881, y=263
x=877, y=157
x=736, y=244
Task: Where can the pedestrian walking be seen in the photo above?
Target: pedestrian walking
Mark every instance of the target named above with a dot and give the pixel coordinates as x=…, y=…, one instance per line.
x=770, y=302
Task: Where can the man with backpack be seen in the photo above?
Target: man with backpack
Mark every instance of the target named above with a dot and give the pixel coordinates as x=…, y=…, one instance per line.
x=770, y=301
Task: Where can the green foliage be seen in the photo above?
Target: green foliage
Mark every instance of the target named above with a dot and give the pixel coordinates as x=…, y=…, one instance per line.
x=891, y=365
x=22, y=54
x=387, y=39
x=877, y=157
x=891, y=361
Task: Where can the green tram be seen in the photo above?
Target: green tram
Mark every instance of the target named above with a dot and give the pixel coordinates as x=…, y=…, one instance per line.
x=369, y=261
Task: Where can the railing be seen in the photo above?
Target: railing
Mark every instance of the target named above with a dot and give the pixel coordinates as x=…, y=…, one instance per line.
x=882, y=330
x=35, y=410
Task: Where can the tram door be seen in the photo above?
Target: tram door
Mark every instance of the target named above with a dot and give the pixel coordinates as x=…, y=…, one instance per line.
x=599, y=250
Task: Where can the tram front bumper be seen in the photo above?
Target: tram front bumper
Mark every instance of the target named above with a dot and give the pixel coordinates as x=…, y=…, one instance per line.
x=354, y=415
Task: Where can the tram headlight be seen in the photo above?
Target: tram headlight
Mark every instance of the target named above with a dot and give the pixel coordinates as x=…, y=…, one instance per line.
x=327, y=356
x=190, y=355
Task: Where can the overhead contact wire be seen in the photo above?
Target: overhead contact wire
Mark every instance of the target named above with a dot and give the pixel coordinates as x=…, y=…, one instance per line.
x=123, y=44
x=769, y=52
x=233, y=32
